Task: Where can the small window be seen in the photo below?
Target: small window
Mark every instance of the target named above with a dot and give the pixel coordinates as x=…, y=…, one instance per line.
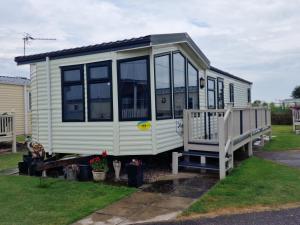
x=193, y=88
x=231, y=94
x=72, y=94
x=134, y=89
x=220, y=96
x=163, y=87
x=99, y=91
x=179, y=82
x=211, y=93
x=249, y=95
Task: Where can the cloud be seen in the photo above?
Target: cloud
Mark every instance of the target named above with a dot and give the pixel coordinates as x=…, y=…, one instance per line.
x=255, y=39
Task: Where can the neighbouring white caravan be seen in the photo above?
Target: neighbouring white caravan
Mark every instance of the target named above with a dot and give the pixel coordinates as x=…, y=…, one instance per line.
x=126, y=97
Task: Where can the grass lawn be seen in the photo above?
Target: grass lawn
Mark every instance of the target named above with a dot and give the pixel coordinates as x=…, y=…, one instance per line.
x=285, y=139
x=24, y=202
x=256, y=182
x=10, y=160
x=21, y=138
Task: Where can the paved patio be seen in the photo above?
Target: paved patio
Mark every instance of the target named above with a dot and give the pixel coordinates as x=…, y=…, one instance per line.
x=289, y=158
x=160, y=201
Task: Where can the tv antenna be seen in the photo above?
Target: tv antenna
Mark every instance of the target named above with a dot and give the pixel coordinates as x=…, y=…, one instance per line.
x=27, y=38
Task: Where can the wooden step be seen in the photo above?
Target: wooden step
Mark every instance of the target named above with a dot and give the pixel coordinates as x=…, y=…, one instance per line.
x=201, y=153
x=198, y=166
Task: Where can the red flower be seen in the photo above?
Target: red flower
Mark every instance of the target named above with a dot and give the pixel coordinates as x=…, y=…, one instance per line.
x=104, y=153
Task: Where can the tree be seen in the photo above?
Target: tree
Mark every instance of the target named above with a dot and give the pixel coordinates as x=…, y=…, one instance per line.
x=296, y=92
x=256, y=103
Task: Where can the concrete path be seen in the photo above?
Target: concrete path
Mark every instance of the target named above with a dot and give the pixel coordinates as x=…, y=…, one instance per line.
x=163, y=200
x=11, y=171
x=290, y=157
x=281, y=217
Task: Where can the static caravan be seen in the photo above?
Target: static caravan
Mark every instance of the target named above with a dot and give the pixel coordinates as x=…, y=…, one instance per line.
x=15, y=97
x=126, y=97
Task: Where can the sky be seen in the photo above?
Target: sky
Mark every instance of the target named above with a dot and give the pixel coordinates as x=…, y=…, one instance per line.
x=255, y=39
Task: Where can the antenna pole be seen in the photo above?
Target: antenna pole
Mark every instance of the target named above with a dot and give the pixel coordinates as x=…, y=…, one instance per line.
x=27, y=37
x=24, y=47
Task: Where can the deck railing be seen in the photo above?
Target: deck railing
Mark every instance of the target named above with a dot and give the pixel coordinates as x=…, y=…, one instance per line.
x=224, y=130
x=296, y=119
x=8, y=129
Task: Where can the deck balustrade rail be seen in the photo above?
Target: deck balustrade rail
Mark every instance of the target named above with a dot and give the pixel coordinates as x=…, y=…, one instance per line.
x=296, y=119
x=224, y=130
x=8, y=129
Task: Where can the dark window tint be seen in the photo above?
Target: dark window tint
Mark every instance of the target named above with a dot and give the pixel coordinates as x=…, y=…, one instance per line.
x=134, y=90
x=72, y=94
x=72, y=75
x=211, y=94
x=99, y=91
x=99, y=72
x=163, y=87
x=193, y=89
x=231, y=93
x=249, y=95
x=179, y=84
x=220, y=93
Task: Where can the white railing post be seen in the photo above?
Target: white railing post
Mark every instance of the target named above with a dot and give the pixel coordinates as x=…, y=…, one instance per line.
x=185, y=130
x=222, y=166
x=14, y=136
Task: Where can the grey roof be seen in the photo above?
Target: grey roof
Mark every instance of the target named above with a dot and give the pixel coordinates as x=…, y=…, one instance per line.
x=149, y=40
x=14, y=80
x=228, y=75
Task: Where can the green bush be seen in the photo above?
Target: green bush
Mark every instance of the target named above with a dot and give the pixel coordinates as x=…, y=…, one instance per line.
x=283, y=117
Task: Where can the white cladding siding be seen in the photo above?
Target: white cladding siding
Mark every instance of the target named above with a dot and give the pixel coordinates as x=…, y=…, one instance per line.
x=118, y=138
x=240, y=89
x=83, y=137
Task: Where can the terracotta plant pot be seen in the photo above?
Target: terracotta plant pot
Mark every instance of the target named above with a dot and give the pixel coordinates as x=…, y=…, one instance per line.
x=99, y=175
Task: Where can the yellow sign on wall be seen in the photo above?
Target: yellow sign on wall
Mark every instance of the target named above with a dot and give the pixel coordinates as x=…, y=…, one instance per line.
x=144, y=125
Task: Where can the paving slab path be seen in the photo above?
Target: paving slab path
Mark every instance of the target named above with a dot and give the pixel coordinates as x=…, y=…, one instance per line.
x=280, y=217
x=163, y=200
x=287, y=157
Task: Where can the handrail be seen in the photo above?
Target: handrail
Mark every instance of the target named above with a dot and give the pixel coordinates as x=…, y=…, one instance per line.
x=206, y=110
x=227, y=145
x=226, y=116
x=8, y=128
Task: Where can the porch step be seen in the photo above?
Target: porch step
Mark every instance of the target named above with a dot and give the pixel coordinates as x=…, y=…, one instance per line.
x=201, y=153
x=198, y=166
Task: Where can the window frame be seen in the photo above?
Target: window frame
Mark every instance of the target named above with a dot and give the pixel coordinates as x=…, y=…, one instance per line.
x=171, y=85
x=185, y=82
x=207, y=90
x=107, y=63
x=231, y=93
x=72, y=83
x=219, y=79
x=119, y=61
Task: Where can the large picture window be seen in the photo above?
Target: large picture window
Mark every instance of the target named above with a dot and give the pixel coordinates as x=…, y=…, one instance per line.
x=211, y=93
x=220, y=96
x=179, y=82
x=163, y=86
x=231, y=93
x=193, y=88
x=72, y=94
x=99, y=91
x=134, y=89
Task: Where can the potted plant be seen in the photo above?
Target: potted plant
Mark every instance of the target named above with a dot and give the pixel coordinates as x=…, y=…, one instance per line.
x=99, y=166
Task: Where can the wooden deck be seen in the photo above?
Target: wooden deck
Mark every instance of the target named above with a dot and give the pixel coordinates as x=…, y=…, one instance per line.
x=224, y=131
x=8, y=129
